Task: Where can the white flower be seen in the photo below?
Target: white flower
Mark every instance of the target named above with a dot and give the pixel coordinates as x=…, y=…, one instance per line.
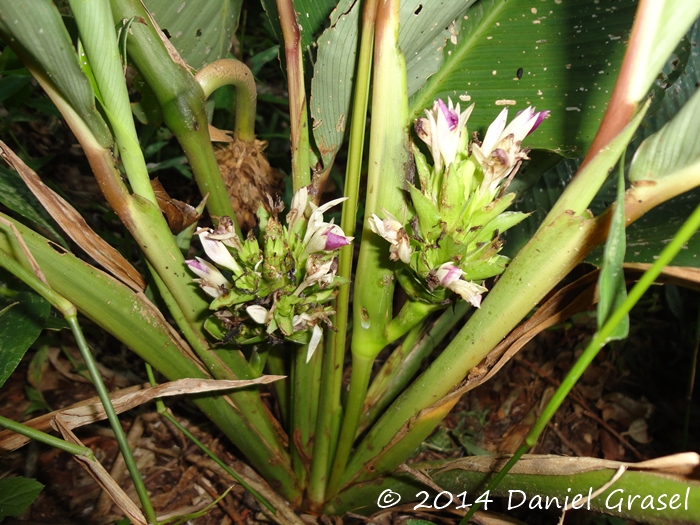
x=500, y=153
x=323, y=236
x=450, y=276
x=393, y=231
x=317, y=271
x=442, y=130
x=218, y=252
x=212, y=280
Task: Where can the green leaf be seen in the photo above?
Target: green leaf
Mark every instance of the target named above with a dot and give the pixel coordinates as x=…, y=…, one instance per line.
x=200, y=30
x=17, y=494
x=16, y=196
x=612, y=290
x=647, y=236
x=34, y=30
x=422, y=36
x=21, y=321
x=560, y=56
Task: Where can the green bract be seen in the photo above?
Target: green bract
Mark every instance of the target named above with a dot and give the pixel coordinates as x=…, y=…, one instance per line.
x=278, y=285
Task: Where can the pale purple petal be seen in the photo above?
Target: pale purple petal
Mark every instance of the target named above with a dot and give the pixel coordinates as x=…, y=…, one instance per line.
x=540, y=117
x=335, y=241
x=450, y=116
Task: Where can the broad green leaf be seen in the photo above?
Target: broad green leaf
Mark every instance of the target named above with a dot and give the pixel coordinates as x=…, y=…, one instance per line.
x=22, y=316
x=560, y=56
x=35, y=31
x=425, y=29
x=612, y=290
x=647, y=236
x=17, y=494
x=16, y=196
x=200, y=30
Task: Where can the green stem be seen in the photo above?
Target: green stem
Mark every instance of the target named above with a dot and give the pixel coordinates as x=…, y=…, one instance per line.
x=163, y=411
x=181, y=100
x=97, y=34
x=306, y=381
x=298, y=118
x=406, y=360
x=235, y=73
x=113, y=419
x=599, y=340
x=410, y=316
x=359, y=381
x=277, y=365
x=47, y=439
x=374, y=282
x=333, y=361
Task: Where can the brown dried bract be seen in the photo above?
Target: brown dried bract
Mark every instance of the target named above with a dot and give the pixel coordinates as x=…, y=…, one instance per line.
x=249, y=178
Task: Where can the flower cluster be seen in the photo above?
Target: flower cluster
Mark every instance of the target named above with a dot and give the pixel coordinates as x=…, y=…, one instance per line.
x=451, y=243
x=277, y=286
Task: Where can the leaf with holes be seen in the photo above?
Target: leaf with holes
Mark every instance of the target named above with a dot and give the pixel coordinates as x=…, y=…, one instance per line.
x=200, y=30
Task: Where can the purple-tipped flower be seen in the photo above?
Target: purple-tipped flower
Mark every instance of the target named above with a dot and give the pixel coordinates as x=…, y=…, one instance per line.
x=211, y=279
x=323, y=236
x=442, y=130
x=393, y=231
x=450, y=276
x=500, y=153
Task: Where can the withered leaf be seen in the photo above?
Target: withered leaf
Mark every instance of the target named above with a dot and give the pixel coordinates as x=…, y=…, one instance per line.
x=179, y=214
x=74, y=225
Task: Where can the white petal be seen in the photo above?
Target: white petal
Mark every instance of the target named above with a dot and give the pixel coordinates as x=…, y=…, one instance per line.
x=257, y=313
x=218, y=253
x=316, y=335
x=493, y=134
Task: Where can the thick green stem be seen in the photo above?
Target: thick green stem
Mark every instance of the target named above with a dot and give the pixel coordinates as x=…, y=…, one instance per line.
x=410, y=316
x=359, y=381
x=277, y=365
x=389, y=159
x=97, y=34
x=299, y=120
x=306, y=382
x=233, y=72
x=181, y=100
x=330, y=408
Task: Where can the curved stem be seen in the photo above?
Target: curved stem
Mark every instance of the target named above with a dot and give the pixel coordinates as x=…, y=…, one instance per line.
x=231, y=72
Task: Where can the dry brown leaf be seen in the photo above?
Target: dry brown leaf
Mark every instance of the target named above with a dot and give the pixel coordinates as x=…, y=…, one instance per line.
x=179, y=214
x=679, y=275
x=10, y=441
x=74, y=225
x=220, y=135
x=84, y=415
x=102, y=477
x=552, y=465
